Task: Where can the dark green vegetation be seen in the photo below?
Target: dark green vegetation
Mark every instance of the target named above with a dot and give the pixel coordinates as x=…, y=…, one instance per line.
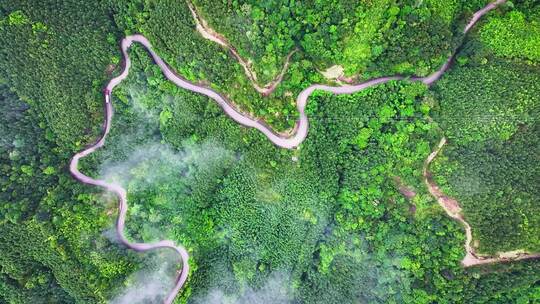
x=516, y=34
x=322, y=224
x=489, y=110
x=42, y=44
x=51, y=226
x=373, y=37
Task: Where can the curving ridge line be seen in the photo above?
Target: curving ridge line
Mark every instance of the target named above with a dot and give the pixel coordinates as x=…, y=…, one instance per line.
x=229, y=109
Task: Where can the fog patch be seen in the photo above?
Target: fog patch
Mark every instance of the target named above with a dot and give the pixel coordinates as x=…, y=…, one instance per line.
x=155, y=162
x=159, y=180
x=111, y=235
x=142, y=109
x=150, y=284
x=276, y=290
x=137, y=159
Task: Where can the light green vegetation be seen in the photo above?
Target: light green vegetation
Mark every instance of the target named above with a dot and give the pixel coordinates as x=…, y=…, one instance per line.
x=489, y=109
x=321, y=224
x=490, y=116
x=366, y=37
x=514, y=35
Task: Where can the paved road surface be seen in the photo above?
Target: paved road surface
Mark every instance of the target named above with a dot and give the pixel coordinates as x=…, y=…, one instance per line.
x=285, y=142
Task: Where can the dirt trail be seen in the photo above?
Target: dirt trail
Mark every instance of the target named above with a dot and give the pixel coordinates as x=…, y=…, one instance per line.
x=405, y=190
x=453, y=209
x=209, y=33
x=290, y=142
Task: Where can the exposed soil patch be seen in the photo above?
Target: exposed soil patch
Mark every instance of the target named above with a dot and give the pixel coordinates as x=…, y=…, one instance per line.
x=294, y=140
x=453, y=209
x=405, y=190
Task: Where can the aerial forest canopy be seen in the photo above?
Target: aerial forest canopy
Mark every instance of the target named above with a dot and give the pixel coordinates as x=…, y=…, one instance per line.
x=348, y=216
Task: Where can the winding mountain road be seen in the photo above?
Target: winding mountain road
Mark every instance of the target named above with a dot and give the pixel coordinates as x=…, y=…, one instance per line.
x=284, y=142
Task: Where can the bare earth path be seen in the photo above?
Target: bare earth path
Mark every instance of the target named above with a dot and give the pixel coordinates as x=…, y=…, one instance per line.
x=453, y=209
x=209, y=33
x=284, y=142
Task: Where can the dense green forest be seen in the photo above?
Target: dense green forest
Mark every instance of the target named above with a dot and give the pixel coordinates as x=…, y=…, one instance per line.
x=324, y=223
x=488, y=107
